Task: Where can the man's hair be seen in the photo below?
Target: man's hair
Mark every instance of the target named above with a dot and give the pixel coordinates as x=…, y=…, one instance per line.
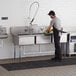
x=51, y=13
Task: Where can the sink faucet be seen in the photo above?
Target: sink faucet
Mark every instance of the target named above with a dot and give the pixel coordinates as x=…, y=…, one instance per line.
x=37, y=4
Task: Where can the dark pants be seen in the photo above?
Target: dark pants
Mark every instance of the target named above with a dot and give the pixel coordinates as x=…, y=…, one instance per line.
x=58, y=54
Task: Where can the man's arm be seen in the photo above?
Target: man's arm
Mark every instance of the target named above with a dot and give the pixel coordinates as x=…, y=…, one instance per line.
x=48, y=28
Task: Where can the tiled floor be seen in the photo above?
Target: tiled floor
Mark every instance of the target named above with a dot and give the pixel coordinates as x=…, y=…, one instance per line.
x=50, y=71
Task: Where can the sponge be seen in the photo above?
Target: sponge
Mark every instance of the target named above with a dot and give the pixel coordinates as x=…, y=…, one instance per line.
x=46, y=32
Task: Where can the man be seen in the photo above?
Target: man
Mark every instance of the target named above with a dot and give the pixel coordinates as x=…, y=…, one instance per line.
x=55, y=23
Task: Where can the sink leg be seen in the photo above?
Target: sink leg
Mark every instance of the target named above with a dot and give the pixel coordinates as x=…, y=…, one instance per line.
x=19, y=53
x=14, y=51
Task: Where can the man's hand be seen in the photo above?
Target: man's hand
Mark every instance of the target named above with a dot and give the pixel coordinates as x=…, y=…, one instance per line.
x=46, y=31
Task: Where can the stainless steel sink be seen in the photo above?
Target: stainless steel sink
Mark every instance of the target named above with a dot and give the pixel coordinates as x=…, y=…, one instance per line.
x=27, y=30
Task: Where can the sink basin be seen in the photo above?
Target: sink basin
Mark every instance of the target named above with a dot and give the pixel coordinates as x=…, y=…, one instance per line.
x=27, y=30
x=19, y=30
